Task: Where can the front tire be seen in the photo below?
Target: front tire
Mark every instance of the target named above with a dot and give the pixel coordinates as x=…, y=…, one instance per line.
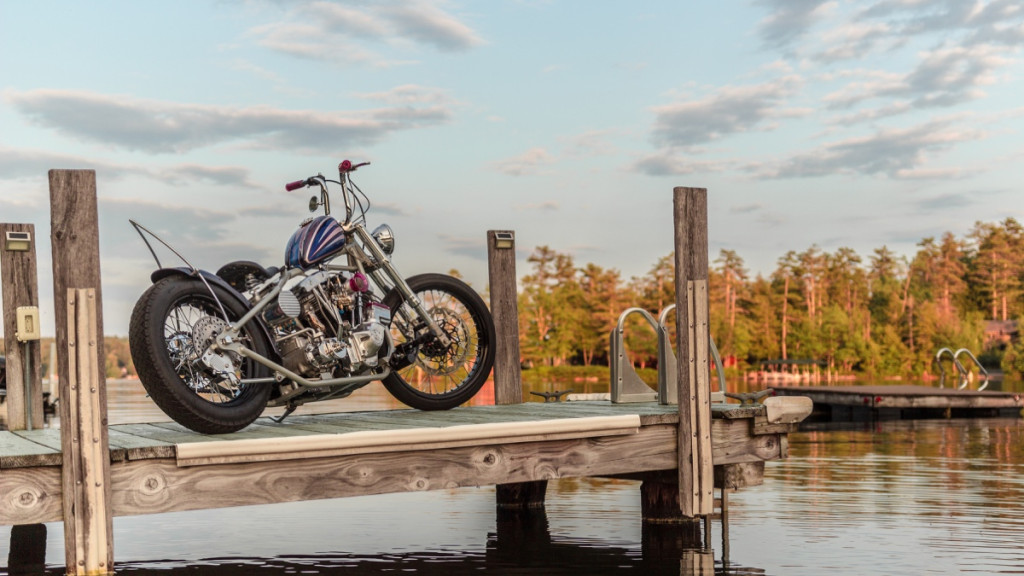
x=436, y=378
x=165, y=325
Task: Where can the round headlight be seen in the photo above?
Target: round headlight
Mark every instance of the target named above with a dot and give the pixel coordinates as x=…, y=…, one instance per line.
x=385, y=238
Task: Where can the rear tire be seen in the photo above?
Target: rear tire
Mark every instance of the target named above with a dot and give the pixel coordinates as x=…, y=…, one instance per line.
x=441, y=378
x=162, y=338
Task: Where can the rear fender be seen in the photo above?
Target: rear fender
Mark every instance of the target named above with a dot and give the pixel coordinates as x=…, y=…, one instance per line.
x=211, y=278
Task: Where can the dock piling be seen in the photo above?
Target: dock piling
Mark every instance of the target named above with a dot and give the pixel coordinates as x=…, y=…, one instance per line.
x=19, y=286
x=696, y=474
x=85, y=473
x=508, y=380
x=501, y=277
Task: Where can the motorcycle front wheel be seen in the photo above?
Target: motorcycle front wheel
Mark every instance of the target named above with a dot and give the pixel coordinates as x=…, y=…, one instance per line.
x=171, y=328
x=427, y=375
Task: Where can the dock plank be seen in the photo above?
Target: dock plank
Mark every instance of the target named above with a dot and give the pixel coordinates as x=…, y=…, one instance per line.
x=157, y=440
x=19, y=452
x=328, y=424
x=137, y=447
x=49, y=437
x=163, y=435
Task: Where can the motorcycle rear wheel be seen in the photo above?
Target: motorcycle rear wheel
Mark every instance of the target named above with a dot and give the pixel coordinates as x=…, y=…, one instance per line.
x=164, y=326
x=441, y=378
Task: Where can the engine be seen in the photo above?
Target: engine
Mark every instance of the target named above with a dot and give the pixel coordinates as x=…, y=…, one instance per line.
x=329, y=325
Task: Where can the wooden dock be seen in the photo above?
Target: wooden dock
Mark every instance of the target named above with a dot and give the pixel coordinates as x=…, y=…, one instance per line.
x=87, y=472
x=846, y=403
x=163, y=467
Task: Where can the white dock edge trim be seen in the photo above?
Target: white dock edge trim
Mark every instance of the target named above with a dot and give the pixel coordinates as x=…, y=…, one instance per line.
x=408, y=439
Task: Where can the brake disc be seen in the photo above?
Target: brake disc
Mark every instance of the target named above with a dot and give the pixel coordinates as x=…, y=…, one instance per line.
x=221, y=364
x=440, y=360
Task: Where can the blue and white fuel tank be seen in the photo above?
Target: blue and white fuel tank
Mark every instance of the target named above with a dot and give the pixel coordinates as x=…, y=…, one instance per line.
x=317, y=240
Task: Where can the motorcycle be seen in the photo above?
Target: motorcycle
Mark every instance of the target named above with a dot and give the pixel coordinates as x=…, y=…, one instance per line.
x=213, y=350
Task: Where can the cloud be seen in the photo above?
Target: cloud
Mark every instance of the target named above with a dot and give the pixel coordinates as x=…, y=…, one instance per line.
x=409, y=94
x=266, y=211
x=345, y=20
x=746, y=208
x=426, y=23
x=730, y=110
x=475, y=248
x=946, y=201
x=853, y=40
x=526, y=164
x=944, y=77
x=996, y=21
x=170, y=127
x=324, y=31
x=898, y=153
x=546, y=206
x=670, y=163
x=390, y=209
x=311, y=42
x=592, y=143
x=220, y=175
x=22, y=164
x=19, y=163
x=789, y=20
x=201, y=235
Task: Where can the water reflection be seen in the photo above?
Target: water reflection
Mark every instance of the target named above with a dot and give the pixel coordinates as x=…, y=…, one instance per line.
x=521, y=542
x=938, y=496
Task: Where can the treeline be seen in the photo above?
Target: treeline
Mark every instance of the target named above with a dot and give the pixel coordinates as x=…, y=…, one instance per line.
x=118, y=358
x=880, y=315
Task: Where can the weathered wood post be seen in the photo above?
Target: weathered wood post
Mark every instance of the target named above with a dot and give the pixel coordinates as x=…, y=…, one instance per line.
x=19, y=286
x=74, y=236
x=508, y=383
x=501, y=277
x=696, y=474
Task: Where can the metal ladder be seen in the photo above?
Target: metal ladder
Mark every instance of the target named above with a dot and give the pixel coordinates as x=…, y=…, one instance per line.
x=626, y=385
x=963, y=372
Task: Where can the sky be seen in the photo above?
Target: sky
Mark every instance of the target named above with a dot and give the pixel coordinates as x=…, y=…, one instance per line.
x=854, y=124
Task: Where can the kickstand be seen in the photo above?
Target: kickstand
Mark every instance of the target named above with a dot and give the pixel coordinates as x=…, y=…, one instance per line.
x=278, y=419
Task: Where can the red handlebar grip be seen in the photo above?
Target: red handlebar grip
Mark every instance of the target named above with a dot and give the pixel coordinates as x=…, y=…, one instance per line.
x=348, y=166
x=295, y=185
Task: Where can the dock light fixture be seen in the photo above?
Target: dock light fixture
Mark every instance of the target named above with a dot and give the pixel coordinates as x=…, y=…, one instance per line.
x=504, y=240
x=18, y=241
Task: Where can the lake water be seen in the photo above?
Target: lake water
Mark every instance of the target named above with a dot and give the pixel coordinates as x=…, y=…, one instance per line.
x=913, y=497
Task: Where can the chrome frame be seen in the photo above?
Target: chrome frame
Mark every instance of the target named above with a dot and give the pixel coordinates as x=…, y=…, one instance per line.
x=364, y=255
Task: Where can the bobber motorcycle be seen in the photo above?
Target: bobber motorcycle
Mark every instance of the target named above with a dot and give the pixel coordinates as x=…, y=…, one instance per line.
x=213, y=350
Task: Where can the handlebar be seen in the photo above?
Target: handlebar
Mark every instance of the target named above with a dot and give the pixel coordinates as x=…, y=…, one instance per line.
x=296, y=185
x=348, y=166
x=345, y=167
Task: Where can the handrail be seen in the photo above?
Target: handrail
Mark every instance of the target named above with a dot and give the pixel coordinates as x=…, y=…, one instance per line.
x=981, y=369
x=942, y=370
x=719, y=369
x=626, y=385
x=963, y=372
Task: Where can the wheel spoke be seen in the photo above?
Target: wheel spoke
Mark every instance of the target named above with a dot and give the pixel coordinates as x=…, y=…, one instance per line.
x=443, y=370
x=184, y=351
